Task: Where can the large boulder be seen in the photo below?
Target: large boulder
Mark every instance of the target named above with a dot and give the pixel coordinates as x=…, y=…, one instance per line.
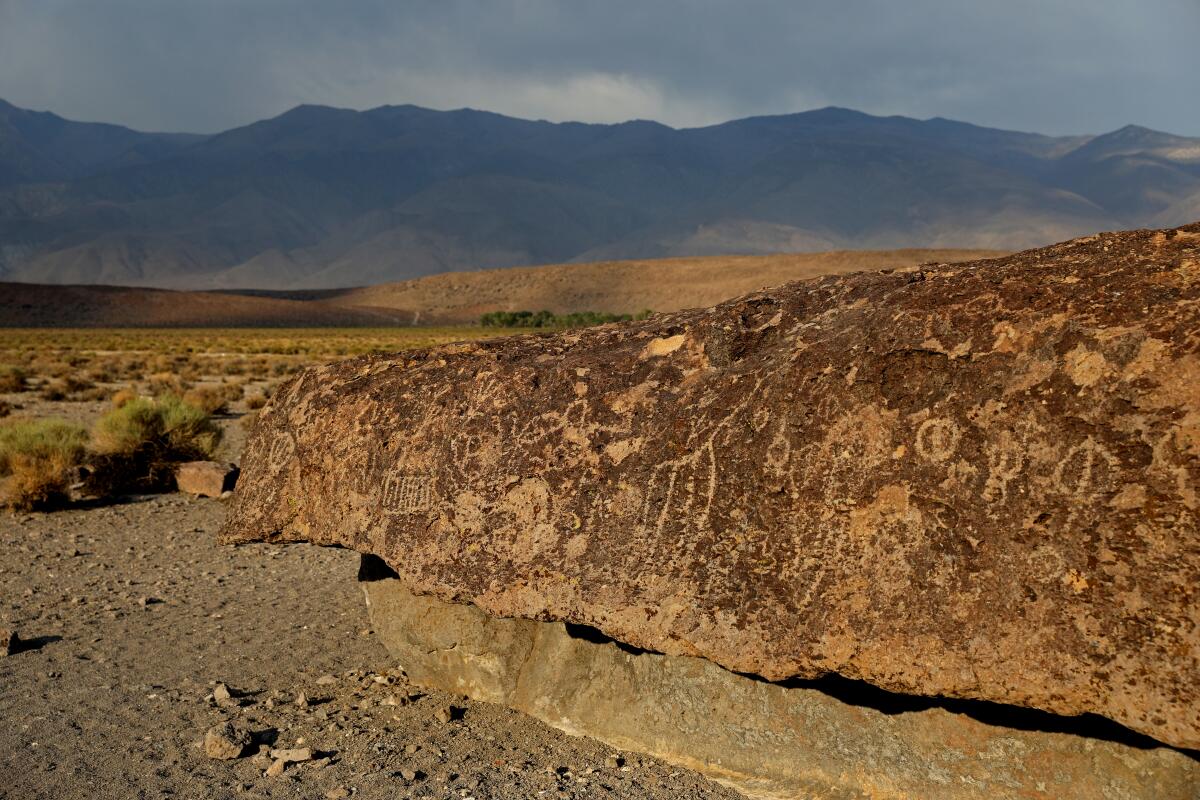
x=818, y=740
x=975, y=480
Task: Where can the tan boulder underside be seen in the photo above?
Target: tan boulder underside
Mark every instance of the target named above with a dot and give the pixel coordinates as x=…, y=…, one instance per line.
x=764, y=739
x=973, y=481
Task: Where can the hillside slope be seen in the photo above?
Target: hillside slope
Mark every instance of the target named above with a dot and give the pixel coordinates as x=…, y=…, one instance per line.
x=452, y=298
x=321, y=197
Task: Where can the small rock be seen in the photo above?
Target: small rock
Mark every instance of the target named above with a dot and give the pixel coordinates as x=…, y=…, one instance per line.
x=302, y=700
x=276, y=769
x=226, y=741
x=445, y=714
x=408, y=774
x=411, y=749
x=326, y=680
x=225, y=697
x=9, y=642
x=293, y=755
x=205, y=478
x=614, y=761
x=340, y=793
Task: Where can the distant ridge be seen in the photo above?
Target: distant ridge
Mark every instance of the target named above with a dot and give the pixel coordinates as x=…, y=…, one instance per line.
x=322, y=197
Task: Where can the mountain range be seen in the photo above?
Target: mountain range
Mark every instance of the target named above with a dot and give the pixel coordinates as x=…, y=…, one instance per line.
x=322, y=197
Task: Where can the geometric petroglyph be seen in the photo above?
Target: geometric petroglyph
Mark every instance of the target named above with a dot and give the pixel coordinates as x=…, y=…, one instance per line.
x=937, y=439
x=407, y=494
x=360, y=479
x=283, y=447
x=1076, y=475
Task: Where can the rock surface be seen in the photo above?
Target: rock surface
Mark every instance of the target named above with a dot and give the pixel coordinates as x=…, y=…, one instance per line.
x=205, y=478
x=974, y=481
x=226, y=741
x=764, y=739
x=10, y=643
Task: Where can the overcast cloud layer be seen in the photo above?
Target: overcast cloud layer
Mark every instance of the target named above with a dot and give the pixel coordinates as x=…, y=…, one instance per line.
x=1054, y=66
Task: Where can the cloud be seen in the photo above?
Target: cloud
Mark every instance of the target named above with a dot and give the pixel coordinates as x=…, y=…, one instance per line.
x=1063, y=66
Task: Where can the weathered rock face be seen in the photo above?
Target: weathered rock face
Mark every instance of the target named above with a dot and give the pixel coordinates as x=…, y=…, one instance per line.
x=976, y=481
x=765, y=739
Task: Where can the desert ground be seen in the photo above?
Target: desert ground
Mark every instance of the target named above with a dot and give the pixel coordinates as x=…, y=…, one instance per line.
x=133, y=620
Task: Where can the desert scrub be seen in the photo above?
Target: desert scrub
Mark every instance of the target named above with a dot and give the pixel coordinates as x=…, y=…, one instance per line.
x=37, y=459
x=161, y=383
x=70, y=387
x=138, y=445
x=209, y=399
x=12, y=379
x=123, y=396
x=166, y=428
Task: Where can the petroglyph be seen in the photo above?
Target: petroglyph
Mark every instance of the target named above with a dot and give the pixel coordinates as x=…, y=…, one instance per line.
x=1085, y=470
x=282, y=448
x=937, y=439
x=407, y=494
x=968, y=481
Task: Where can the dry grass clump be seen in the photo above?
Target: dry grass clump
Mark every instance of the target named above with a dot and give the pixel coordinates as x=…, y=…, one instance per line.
x=256, y=401
x=12, y=379
x=6, y=408
x=209, y=399
x=214, y=399
x=123, y=396
x=37, y=459
x=70, y=387
x=163, y=383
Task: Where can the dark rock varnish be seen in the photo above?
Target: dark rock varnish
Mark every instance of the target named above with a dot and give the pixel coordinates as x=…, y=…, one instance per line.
x=976, y=481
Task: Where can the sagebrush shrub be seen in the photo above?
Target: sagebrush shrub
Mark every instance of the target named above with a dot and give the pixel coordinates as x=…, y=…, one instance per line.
x=12, y=379
x=209, y=399
x=137, y=445
x=165, y=429
x=123, y=396
x=37, y=459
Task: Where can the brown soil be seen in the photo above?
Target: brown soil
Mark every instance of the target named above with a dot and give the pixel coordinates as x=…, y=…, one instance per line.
x=453, y=297
x=132, y=613
x=34, y=305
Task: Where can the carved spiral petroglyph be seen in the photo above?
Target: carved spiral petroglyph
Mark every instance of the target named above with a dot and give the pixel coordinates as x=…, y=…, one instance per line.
x=937, y=439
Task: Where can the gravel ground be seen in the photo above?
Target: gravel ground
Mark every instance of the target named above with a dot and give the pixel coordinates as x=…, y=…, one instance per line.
x=132, y=616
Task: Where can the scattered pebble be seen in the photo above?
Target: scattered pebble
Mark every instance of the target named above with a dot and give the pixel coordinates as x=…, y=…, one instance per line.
x=293, y=755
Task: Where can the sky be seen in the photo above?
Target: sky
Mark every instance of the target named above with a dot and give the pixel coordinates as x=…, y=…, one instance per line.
x=1051, y=66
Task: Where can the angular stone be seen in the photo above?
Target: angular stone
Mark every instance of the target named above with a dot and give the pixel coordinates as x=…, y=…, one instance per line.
x=294, y=755
x=973, y=481
x=205, y=478
x=10, y=643
x=226, y=741
x=768, y=740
